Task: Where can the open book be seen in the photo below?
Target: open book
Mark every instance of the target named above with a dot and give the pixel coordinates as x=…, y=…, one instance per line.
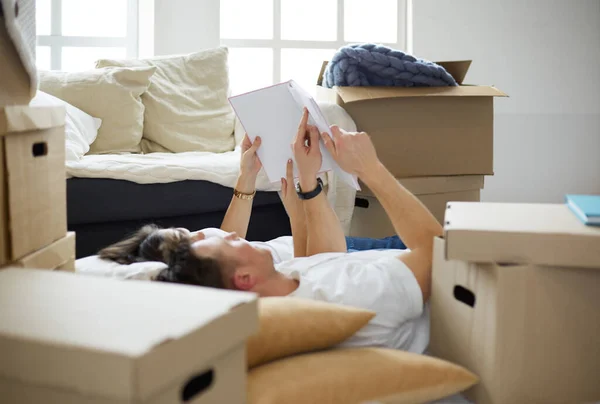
x=274, y=113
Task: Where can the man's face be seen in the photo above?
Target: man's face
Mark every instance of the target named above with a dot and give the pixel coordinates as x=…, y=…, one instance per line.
x=245, y=266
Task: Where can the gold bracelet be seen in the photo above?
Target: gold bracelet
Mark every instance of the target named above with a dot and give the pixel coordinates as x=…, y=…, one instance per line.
x=241, y=195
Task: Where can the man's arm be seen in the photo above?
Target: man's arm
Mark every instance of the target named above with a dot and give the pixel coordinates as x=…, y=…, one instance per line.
x=324, y=231
x=295, y=210
x=414, y=224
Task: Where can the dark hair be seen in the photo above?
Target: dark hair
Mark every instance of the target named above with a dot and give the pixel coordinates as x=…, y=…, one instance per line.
x=186, y=268
x=144, y=245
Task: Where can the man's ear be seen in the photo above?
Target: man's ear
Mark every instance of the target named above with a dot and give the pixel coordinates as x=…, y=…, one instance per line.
x=243, y=280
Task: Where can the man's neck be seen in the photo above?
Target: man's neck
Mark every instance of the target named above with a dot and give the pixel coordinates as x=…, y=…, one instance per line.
x=278, y=285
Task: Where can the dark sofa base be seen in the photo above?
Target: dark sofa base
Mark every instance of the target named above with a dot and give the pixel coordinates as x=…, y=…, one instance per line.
x=104, y=211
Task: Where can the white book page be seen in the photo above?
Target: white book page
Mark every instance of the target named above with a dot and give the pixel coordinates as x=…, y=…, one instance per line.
x=274, y=113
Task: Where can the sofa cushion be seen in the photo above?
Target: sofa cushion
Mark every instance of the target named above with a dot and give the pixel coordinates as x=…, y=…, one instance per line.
x=111, y=94
x=186, y=104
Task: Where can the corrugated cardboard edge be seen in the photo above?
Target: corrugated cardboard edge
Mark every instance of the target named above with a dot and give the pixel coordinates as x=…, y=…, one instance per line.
x=53, y=256
x=5, y=247
x=435, y=185
x=19, y=118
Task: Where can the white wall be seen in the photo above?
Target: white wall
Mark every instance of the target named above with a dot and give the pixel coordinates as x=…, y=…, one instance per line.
x=185, y=26
x=546, y=55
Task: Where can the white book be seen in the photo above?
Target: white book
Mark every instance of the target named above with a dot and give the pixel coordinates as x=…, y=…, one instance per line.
x=274, y=113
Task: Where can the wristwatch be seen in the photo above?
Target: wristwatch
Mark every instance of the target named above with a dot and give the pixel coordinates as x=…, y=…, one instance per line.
x=311, y=194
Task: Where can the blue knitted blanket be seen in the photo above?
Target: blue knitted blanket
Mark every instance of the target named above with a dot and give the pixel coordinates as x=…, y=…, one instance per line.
x=377, y=65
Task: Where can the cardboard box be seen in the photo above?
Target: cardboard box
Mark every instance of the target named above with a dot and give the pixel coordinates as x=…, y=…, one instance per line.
x=68, y=266
x=18, y=81
x=59, y=255
x=529, y=331
x=425, y=131
x=33, y=201
x=67, y=338
x=370, y=219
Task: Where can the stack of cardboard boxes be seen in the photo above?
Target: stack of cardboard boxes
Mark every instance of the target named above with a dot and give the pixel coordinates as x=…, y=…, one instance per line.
x=33, y=206
x=438, y=141
x=516, y=287
x=516, y=299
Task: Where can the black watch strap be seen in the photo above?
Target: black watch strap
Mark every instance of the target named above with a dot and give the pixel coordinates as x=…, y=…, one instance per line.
x=311, y=194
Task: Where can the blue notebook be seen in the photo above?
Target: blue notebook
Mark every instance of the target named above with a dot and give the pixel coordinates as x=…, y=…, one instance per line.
x=585, y=207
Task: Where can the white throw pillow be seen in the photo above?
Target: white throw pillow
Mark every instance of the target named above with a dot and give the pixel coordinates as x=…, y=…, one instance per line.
x=111, y=94
x=81, y=129
x=187, y=106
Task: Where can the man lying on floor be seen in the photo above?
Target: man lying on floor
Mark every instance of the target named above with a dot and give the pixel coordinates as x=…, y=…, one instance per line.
x=393, y=283
x=153, y=243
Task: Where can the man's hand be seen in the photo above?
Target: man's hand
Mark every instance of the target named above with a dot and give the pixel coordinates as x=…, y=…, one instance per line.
x=354, y=152
x=307, y=153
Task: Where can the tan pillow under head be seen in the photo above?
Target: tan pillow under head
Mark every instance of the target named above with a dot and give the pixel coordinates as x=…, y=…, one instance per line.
x=187, y=106
x=348, y=376
x=290, y=326
x=111, y=94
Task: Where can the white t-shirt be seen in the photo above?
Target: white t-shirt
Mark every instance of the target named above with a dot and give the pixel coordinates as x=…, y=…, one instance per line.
x=373, y=280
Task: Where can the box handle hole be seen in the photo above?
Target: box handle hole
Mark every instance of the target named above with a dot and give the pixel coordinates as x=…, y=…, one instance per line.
x=39, y=149
x=196, y=385
x=464, y=295
x=361, y=203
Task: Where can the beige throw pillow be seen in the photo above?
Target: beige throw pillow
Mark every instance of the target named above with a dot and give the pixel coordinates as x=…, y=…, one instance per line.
x=111, y=94
x=290, y=326
x=187, y=106
x=348, y=376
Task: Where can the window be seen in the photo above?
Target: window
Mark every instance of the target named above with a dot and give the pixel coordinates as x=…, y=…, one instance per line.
x=275, y=40
x=73, y=34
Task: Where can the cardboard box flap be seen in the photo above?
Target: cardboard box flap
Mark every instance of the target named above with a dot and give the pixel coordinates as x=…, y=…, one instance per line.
x=435, y=185
x=19, y=118
x=543, y=234
x=51, y=256
x=114, y=338
x=457, y=69
x=356, y=94
x=322, y=72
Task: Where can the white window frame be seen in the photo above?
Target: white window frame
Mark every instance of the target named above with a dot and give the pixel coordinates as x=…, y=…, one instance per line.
x=56, y=41
x=277, y=44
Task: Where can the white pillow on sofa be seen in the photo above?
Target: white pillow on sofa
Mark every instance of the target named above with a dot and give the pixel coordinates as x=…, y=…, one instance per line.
x=112, y=95
x=81, y=129
x=187, y=106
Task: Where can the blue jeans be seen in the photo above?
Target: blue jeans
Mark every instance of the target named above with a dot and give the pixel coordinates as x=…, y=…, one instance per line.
x=364, y=243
